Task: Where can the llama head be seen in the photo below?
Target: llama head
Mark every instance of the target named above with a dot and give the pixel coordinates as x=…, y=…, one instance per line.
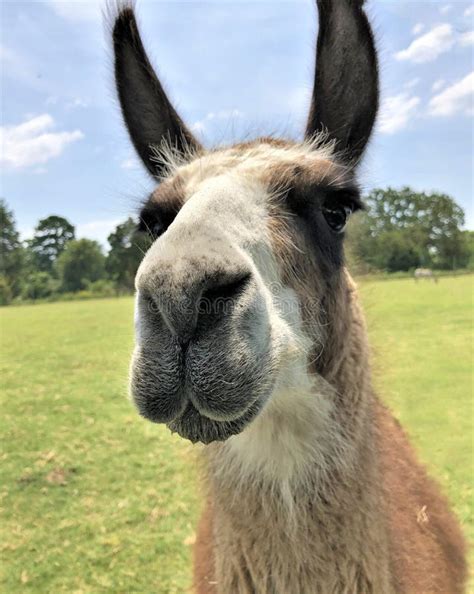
x=247, y=240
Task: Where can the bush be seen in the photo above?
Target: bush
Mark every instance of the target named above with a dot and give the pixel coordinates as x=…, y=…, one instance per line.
x=396, y=252
x=404, y=229
x=102, y=288
x=82, y=262
x=38, y=285
x=5, y=291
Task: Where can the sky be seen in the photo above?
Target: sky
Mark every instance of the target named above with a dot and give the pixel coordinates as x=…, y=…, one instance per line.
x=235, y=70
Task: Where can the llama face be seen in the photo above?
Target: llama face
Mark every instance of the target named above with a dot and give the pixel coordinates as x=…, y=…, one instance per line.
x=248, y=240
x=217, y=328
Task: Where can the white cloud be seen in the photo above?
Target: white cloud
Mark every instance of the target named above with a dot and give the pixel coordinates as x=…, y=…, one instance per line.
x=130, y=163
x=7, y=55
x=396, y=112
x=418, y=28
x=77, y=102
x=26, y=232
x=429, y=46
x=412, y=83
x=198, y=127
x=459, y=97
x=18, y=67
x=469, y=12
x=224, y=114
x=32, y=142
x=78, y=10
x=438, y=84
x=466, y=39
x=299, y=99
x=98, y=230
x=445, y=8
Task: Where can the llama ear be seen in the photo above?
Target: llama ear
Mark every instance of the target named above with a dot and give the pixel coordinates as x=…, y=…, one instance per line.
x=345, y=93
x=147, y=111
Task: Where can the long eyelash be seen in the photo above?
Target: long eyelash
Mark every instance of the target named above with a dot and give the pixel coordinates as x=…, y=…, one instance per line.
x=142, y=224
x=139, y=248
x=347, y=197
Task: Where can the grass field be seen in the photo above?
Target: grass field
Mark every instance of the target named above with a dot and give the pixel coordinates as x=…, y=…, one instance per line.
x=93, y=499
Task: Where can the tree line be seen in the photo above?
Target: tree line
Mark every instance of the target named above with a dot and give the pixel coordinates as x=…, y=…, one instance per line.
x=399, y=230
x=55, y=264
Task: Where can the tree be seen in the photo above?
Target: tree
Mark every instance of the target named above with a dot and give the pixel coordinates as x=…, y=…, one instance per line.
x=127, y=247
x=429, y=223
x=49, y=241
x=39, y=285
x=5, y=291
x=361, y=243
x=452, y=251
x=396, y=251
x=11, y=252
x=468, y=237
x=81, y=262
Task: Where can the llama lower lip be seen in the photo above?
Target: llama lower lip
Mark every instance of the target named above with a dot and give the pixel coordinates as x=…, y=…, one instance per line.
x=195, y=427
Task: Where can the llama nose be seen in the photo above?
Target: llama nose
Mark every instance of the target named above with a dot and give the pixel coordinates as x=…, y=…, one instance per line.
x=198, y=302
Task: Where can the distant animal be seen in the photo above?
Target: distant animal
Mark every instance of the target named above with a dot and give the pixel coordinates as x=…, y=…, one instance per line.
x=312, y=486
x=425, y=273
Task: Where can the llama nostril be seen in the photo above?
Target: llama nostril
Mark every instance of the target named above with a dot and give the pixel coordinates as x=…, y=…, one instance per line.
x=180, y=315
x=223, y=294
x=152, y=305
x=189, y=308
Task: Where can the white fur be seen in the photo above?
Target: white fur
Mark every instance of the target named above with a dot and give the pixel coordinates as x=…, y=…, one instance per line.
x=294, y=433
x=257, y=157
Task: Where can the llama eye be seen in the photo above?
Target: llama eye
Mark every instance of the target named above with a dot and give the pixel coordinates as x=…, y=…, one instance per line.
x=336, y=216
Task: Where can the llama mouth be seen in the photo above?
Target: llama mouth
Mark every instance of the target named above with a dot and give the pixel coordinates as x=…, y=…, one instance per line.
x=196, y=427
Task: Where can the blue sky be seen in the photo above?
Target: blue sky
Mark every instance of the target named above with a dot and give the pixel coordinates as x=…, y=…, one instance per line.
x=234, y=69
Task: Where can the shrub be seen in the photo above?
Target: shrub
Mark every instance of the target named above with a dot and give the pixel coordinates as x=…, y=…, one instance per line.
x=5, y=291
x=102, y=288
x=38, y=285
x=81, y=263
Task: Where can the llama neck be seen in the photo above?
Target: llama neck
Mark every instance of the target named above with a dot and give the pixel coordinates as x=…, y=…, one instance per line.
x=303, y=479
x=318, y=420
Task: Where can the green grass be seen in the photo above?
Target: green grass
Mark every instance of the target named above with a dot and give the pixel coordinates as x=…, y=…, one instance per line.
x=422, y=335
x=95, y=500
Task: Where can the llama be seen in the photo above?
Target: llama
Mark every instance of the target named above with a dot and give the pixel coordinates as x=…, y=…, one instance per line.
x=250, y=340
x=424, y=273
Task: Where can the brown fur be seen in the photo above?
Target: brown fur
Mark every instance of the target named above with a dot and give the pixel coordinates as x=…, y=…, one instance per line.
x=379, y=526
x=421, y=541
x=352, y=512
x=427, y=548
x=170, y=194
